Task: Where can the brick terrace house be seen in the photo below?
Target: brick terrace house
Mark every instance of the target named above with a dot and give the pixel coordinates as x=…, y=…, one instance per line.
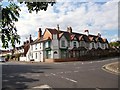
x=58, y=44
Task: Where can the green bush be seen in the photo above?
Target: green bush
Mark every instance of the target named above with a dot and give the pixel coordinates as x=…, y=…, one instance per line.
x=7, y=56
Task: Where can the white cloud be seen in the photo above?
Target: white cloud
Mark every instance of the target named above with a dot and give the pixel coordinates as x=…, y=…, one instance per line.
x=93, y=16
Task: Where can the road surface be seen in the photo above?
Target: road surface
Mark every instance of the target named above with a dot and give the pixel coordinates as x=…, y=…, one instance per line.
x=81, y=74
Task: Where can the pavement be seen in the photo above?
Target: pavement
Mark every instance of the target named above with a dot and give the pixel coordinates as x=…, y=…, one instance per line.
x=112, y=67
x=80, y=74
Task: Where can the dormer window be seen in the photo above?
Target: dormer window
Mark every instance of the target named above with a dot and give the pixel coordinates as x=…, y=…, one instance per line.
x=63, y=43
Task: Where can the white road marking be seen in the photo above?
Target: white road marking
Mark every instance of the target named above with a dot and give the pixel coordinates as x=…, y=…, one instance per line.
x=18, y=82
x=91, y=62
x=98, y=61
x=53, y=74
x=65, y=78
x=71, y=80
x=42, y=86
x=76, y=71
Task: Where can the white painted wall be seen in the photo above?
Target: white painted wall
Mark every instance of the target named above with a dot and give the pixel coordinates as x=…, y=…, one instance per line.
x=23, y=58
x=33, y=51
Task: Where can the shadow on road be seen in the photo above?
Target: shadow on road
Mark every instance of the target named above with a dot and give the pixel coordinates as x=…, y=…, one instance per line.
x=12, y=79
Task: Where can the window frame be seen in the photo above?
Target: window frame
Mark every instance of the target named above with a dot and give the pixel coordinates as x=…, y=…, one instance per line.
x=62, y=43
x=36, y=55
x=74, y=44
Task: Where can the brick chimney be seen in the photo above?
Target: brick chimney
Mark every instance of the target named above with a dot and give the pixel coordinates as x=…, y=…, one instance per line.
x=69, y=29
x=99, y=35
x=39, y=33
x=58, y=28
x=30, y=39
x=86, y=32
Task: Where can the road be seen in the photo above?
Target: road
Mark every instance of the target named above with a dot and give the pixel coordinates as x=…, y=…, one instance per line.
x=81, y=74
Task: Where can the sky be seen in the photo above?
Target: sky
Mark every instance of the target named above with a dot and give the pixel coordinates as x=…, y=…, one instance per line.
x=98, y=16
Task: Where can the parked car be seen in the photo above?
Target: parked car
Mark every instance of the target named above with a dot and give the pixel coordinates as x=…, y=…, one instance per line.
x=2, y=59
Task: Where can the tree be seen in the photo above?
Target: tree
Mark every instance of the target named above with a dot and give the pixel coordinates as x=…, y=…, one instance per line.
x=10, y=15
x=115, y=44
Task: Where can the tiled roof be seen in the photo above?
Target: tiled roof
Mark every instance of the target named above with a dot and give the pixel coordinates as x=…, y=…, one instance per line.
x=70, y=36
x=104, y=40
x=52, y=31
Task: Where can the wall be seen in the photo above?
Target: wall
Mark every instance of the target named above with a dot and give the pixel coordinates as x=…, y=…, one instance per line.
x=23, y=58
x=47, y=34
x=55, y=47
x=64, y=60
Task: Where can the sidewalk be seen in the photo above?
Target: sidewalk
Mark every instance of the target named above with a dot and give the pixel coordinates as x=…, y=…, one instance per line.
x=113, y=67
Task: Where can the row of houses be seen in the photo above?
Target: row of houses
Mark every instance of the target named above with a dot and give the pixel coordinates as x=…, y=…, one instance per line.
x=57, y=44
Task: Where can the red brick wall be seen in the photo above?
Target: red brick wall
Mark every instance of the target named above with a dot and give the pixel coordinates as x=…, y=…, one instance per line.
x=47, y=35
x=63, y=60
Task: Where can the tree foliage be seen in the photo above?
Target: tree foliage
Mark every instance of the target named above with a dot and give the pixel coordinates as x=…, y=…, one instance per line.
x=115, y=44
x=10, y=15
x=8, y=30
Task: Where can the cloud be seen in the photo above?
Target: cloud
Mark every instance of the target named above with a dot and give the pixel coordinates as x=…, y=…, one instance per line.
x=94, y=16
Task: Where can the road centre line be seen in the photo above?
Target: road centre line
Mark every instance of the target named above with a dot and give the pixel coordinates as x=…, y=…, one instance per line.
x=65, y=78
x=76, y=71
x=53, y=74
x=70, y=80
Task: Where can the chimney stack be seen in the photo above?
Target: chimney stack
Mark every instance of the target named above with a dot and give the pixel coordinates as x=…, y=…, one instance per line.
x=39, y=33
x=86, y=32
x=24, y=43
x=99, y=35
x=30, y=39
x=58, y=28
x=69, y=29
